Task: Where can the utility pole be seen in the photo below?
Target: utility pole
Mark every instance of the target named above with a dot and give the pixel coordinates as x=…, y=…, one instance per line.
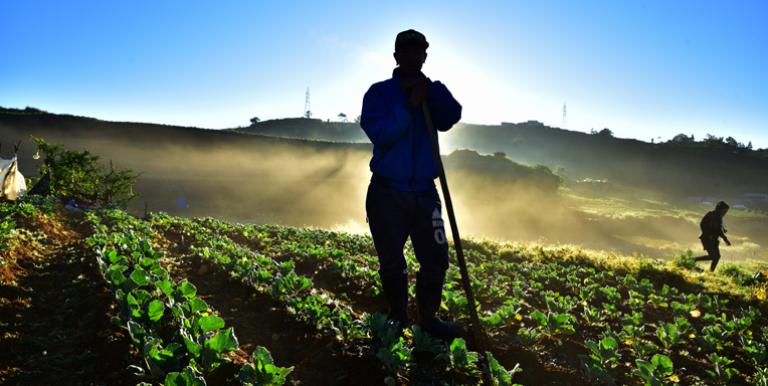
x=307, y=111
x=565, y=114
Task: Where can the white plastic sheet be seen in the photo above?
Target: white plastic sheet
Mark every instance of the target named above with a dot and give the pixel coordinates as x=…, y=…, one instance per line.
x=13, y=183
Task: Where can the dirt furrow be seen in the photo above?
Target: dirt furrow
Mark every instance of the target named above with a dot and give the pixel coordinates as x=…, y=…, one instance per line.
x=55, y=324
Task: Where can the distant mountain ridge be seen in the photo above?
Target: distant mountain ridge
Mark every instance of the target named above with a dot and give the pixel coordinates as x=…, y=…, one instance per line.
x=676, y=168
x=680, y=167
x=308, y=128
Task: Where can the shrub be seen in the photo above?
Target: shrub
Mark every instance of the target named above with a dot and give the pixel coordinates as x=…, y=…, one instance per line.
x=685, y=260
x=77, y=175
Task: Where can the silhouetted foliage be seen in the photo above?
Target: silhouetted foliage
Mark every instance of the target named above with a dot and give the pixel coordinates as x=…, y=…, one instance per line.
x=606, y=132
x=77, y=175
x=682, y=138
x=26, y=111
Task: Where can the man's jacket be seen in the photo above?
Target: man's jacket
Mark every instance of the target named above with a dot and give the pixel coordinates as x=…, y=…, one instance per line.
x=402, y=150
x=711, y=227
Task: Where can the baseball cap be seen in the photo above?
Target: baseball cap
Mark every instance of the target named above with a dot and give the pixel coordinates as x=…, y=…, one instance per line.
x=410, y=36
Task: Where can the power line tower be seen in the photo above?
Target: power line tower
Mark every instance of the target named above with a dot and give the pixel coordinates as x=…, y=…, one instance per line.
x=307, y=111
x=565, y=114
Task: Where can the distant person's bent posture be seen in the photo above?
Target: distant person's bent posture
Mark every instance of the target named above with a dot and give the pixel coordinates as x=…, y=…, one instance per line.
x=711, y=231
x=402, y=199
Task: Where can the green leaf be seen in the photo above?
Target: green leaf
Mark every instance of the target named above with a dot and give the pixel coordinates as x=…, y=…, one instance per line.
x=166, y=286
x=142, y=296
x=193, y=347
x=540, y=317
x=161, y=359
x=262, y=357
x=217, y=345
x=460, y=356
x=459, y=352
x=156, y=310
x=133, y=305
x=146, y=262
x=560, y=319
x=184, y=378
x=145, y=247
x=197, y=305
x=223, y=341
x=210, y=323
x=112, y=256
x=663, y=364
x=645, y=372
x=139, y=276
x=187, y=289
x=136, y=331
x=498, y=372
x=116, y=275
x=609, y=343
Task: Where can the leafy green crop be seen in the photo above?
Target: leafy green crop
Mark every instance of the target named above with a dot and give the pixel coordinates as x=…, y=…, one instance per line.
x=180, y=340
x=263, y=370
x=722, y=373
x=604, y=355
x=6, y=227
x=659, y=371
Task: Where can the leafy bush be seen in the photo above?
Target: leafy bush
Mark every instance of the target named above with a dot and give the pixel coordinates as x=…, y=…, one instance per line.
x=685, y=260
x=77, y=175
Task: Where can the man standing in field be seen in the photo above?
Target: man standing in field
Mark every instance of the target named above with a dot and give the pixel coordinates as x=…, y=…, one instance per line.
x=402, y=199
x=711, y=231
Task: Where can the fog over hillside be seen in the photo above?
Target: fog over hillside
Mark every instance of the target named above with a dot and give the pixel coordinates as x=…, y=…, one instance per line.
x=264, y=179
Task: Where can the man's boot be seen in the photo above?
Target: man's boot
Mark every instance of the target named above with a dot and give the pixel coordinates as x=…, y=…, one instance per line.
x=395, y=289
x=429, y=293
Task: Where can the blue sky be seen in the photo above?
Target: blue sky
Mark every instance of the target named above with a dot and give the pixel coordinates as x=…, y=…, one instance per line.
x=642, y=69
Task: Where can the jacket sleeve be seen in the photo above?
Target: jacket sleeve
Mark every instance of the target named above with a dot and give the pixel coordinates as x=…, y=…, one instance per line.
x=721, y=229
x=446, y=111
x=383, y=125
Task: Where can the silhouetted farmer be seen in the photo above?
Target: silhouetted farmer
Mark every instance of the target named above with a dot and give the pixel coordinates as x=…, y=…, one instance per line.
x=402, y=199
x=711, y=231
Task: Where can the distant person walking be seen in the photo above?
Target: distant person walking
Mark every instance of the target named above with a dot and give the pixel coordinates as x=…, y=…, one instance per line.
x=402, y=199
x=712, y=230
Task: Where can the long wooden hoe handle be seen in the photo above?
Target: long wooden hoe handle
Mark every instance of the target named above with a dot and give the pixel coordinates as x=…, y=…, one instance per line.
x=476, y=327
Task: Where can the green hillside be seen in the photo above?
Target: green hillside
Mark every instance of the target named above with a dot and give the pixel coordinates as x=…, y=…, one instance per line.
x=205, y=298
